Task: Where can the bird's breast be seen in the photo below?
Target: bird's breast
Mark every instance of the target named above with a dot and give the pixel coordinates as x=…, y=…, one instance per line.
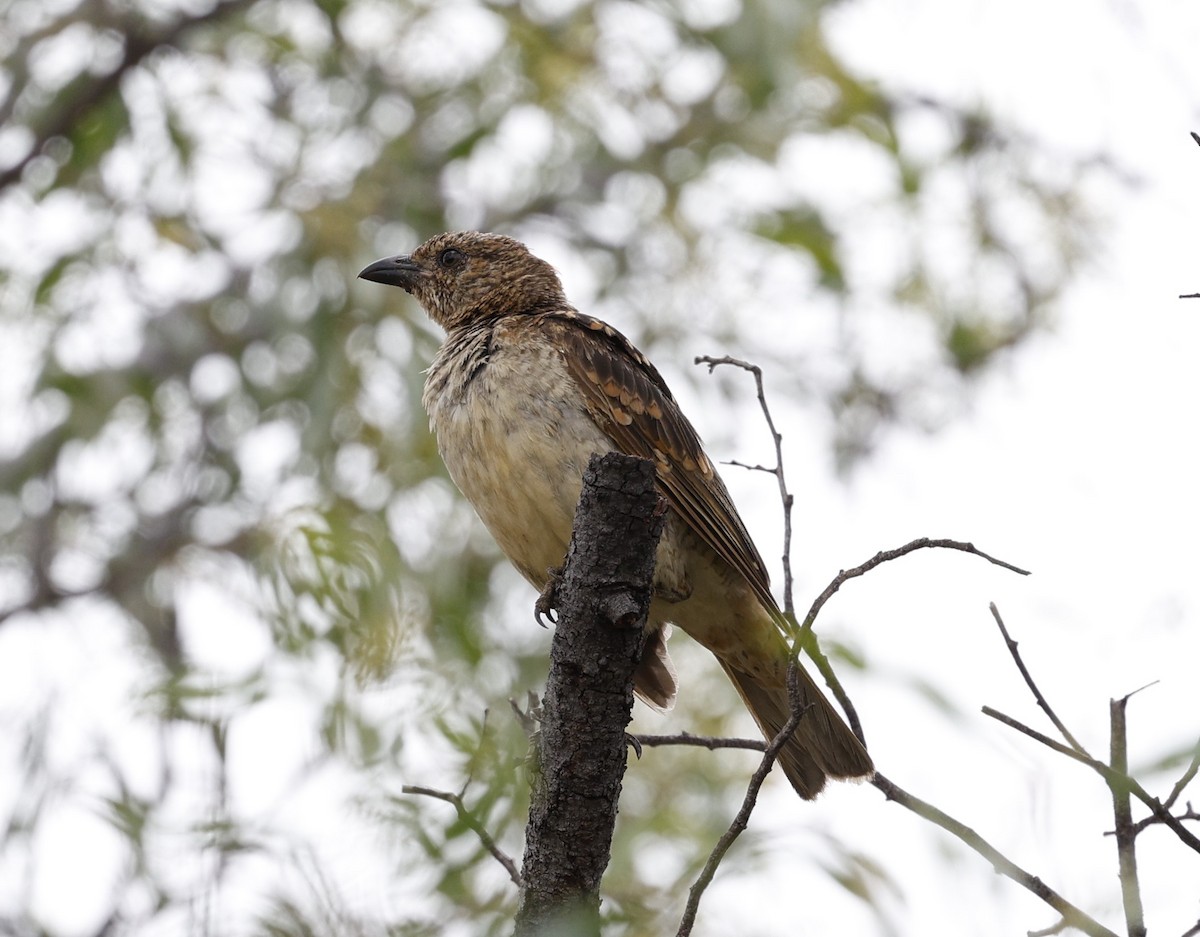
x=515, y=437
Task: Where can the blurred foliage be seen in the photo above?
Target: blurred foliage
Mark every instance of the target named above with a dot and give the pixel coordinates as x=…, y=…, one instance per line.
x=210, y=434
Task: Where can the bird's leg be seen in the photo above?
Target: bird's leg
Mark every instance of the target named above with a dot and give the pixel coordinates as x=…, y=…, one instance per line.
x=544, y=607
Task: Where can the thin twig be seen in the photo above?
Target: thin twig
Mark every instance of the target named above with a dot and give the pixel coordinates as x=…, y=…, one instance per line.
x=1192, y=931
x=1131, y=894
x=1105, y=772
x=885, y=556
x=700, y=741
x=1037, y=694
x=1185, y=779
x=806, y=639
x=1000, y=862
x=467, y=817
x=742, y=819
x=1189, y=814
x=785, y=496
x=1037, y=736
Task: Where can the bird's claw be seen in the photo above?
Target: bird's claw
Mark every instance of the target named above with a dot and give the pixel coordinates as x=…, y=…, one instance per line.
x=544, y=607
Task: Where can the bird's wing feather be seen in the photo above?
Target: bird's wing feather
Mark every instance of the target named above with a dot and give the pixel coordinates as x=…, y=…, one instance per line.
x=632, y=404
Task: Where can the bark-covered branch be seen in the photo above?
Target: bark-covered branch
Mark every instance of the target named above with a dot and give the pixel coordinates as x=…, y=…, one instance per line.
x=602, y=599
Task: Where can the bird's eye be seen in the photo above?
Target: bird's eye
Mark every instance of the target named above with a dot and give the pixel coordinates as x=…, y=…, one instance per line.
x=451, y=258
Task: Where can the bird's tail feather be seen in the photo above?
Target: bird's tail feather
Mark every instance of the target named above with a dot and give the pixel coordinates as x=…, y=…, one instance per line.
x=655, y=681
x=822, y=745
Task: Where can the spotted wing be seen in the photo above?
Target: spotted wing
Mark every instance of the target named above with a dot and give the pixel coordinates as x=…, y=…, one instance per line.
x=632, y=404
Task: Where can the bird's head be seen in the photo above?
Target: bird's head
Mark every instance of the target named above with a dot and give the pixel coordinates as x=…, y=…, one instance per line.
x=461, y=277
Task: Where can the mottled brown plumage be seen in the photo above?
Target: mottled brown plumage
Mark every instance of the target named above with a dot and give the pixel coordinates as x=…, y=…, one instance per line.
x=522, y=392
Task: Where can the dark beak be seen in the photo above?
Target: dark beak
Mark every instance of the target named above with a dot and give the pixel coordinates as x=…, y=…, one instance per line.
x=400, y=271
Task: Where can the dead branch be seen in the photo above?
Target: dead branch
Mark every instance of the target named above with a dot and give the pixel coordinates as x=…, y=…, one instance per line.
x=885, y=556
x=1000, y=862
x=1105, y=772
x=742, y=820
x=1029, y=682
x=1131, y=895
x=699, y=741
x=1184, y=780
x=785, y=496
x=602, y=598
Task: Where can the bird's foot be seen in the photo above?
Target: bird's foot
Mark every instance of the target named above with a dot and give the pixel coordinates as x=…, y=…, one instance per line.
x=544, y=607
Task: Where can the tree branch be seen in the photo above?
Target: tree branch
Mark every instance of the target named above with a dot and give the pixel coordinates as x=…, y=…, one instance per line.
x=473, y=823
x=806, y=637
x=699, y=741
x=1188, y=814
x=1185, y=779
x=884, y=556
x=1126, y=836
x=602, y=599
x=742, y=819
x=785, y=496
x=1073, y=916
x=1029, y=682
x=1106, y=772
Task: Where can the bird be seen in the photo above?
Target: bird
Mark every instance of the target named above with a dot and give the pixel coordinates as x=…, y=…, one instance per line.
x=524, y=389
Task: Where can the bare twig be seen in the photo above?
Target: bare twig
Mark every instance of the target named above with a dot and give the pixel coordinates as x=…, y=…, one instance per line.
x=1105, y=772
x=472, y=823
x=803, y=639
x=1126, y=847
x=1073, y=916
x=1081, y=757
x=806, y=639
x=699, y=741
x=1029, y=682
x=1185, y=779
x=885, y=556
x=1192, y=931
x=785, y=496
x=742, y=819
x=1189, y=814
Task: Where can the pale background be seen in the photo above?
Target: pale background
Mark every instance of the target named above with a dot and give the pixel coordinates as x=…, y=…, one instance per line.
x=1079, y=460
